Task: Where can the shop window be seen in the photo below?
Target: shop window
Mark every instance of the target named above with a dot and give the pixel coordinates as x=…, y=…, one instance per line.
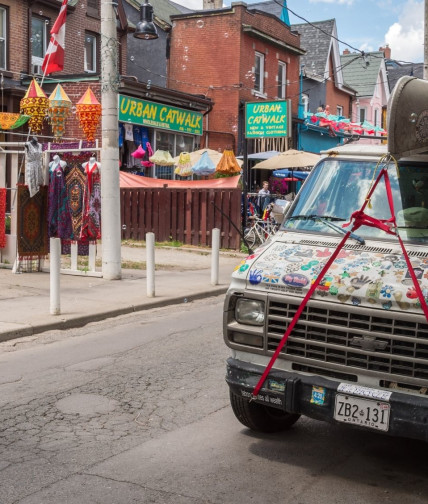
x=90, y=53
x=39, y=27
x=259, y=70
x=3, y=38
x=174, y=144
x=282, y=76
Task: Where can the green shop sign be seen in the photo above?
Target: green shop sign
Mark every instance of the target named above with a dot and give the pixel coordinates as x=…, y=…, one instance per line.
x=156, y=115
x=267, y=119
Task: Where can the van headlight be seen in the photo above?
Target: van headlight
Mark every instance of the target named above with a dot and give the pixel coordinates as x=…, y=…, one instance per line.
x=250, y=311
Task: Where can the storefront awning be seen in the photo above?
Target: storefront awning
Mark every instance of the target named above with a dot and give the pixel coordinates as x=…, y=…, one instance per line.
x=130, y=180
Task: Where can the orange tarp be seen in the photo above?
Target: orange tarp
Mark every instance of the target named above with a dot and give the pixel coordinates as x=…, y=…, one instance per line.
x=130, y=180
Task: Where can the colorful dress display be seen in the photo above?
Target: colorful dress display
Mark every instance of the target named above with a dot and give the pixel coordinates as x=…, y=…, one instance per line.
x=33, y=166
x=91, y=219
x=59, y=218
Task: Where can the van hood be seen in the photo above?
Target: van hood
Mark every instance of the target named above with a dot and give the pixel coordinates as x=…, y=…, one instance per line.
x=376, y=277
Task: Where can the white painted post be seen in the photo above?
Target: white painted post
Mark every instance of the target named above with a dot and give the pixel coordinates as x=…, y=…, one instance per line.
x=92, y=256
x=73, y=256
x=215, y=256
x=55, y=266
x=150, y=264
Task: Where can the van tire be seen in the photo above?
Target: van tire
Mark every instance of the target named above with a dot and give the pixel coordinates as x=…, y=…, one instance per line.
x=260, y=418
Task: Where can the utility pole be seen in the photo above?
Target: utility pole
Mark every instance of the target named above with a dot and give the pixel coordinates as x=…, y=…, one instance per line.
x=426, y=41
x=110, y=192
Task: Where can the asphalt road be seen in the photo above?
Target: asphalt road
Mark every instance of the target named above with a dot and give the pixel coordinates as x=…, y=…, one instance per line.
x=136, y=410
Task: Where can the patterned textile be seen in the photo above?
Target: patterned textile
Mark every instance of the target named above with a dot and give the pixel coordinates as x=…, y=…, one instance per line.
x=32, y=228
x=59, y=218
x=33, y=167
x=75, y=182
x=82, y=248
x=2, y=218
x=91, y=221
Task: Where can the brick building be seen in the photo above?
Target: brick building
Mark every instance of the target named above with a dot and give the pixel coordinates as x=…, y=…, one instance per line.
x=234, y=55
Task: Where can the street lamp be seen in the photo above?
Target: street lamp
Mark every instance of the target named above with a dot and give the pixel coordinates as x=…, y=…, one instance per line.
x=146, y=29
x=301, y=109
x=110, y=180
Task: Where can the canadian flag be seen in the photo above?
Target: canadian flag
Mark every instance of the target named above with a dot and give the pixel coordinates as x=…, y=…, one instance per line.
x=54, y=57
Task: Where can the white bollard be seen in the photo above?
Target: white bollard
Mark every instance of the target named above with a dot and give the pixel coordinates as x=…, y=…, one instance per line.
x=150, y=264
x=215, y=256
x=55, y=266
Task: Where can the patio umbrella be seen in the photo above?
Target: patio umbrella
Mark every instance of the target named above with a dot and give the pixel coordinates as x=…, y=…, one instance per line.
x=289, y=159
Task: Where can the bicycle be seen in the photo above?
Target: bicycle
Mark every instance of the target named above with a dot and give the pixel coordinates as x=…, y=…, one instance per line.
x=261, y=229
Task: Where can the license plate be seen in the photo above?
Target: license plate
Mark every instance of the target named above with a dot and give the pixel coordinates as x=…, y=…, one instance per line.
x=363, y=412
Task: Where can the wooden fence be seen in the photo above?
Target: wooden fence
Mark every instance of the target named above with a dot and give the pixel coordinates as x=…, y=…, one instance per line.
x=184, y=215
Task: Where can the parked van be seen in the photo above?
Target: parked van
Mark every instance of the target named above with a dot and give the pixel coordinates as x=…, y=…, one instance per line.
x=358, y=353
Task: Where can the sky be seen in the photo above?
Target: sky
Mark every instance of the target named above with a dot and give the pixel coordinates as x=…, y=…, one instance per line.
x=365, y=25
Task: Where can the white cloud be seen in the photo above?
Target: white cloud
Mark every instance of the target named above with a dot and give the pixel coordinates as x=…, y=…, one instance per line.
x=190, y=4
x=406, y=37
x=340, y=2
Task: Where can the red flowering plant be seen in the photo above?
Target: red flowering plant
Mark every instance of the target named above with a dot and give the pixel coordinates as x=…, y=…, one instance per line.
x=278, y=186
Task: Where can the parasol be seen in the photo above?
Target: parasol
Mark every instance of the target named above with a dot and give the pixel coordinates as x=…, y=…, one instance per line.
x=228, y=163
x=289, y=159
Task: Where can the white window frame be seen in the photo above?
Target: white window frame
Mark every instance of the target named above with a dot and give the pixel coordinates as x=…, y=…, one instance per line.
x=37, y=61
x=94, y=53
x=305, y=102
x=259, y=83
x=339, y=110
x=4, y=38
x=282, y=72
x=362, y=112
x=376, y=116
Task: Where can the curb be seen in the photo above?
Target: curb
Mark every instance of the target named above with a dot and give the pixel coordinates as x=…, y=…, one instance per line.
x=81, y=321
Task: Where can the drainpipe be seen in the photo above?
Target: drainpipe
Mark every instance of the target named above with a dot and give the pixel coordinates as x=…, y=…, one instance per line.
x=300, y=112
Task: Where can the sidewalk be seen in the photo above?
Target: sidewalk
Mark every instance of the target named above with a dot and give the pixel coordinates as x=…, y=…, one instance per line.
x=182, y=275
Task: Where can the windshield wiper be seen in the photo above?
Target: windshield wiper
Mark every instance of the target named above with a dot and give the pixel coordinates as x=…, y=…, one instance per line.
x=327, y=221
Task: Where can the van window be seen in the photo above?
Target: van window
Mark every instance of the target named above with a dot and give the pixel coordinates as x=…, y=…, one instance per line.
x=337, y=188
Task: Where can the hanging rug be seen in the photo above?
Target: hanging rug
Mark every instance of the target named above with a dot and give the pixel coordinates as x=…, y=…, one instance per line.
x=32, y=226
x=75, y=181
x=2, y=217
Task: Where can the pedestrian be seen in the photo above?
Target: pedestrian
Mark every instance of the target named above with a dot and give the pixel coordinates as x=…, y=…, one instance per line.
x=263, y=199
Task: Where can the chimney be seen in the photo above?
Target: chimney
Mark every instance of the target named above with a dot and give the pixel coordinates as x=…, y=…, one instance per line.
x=212, y=4
x=346, y=51
x=386, y=51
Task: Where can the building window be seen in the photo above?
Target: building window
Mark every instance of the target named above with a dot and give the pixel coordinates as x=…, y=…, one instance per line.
x=3, y=40
x=38, y=43
x=259, y=70
x=339, y=110
x=376, y=117
x=305, y=101
x=90, y=53
x=282, y=80
x=93, y=8
x=362, y=115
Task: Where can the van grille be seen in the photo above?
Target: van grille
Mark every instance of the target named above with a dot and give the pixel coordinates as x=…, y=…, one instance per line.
x=340, y=339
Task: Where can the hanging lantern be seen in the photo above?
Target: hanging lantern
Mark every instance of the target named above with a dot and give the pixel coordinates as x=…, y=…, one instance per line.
x=58, y=111
x=35, y=104
x=89, y=114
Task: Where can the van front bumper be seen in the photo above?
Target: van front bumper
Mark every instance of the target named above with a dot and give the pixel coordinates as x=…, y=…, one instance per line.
x=315, y=397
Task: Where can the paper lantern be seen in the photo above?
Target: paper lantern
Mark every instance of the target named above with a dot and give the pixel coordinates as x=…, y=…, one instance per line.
x=228, y=163
x=35, y=104
x=88, y=110
x=58, y=111
x=9, y=120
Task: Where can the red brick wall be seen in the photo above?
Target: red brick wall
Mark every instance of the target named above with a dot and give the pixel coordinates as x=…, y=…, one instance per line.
x=335, y=96
x=211, y=55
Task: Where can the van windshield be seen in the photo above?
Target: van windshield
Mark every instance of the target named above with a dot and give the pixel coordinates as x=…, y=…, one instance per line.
x=336, y=188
